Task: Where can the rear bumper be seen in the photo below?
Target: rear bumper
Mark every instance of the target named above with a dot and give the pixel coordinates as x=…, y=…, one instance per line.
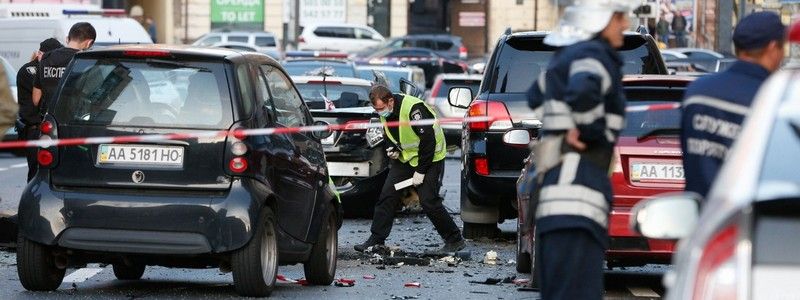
x=488, y=199
x=628, y=247
x=140, y=221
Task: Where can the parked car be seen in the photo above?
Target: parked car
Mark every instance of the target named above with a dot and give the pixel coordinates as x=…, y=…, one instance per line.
x=669, y=55
x=274, y=53
x=489, y=168
x=241, y=203
x=356, y=162
x=702, y=58
x=392, y=75
x=427, y=60
x=438, y=100
x=338, y=37
x=739, y=242
x=648, y=162
x=320, y=66
x=446, y=45
x=264, y=42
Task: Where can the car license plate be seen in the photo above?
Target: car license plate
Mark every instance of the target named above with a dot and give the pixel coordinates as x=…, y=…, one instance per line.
x=347, y=169
x=139, y=155
x=656, y=171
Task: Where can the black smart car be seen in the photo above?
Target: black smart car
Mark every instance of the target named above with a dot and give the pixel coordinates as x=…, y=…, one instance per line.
x=243, y=204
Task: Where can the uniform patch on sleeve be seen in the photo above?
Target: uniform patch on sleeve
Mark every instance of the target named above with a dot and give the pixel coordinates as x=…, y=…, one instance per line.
x=416, y=114
x=31, y=70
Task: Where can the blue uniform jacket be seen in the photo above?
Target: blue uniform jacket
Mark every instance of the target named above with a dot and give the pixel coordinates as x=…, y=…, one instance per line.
x=714, y=108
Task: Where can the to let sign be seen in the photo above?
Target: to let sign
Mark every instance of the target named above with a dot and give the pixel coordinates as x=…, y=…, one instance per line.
x=323, y=11
x=471, y=19
x=237, y=14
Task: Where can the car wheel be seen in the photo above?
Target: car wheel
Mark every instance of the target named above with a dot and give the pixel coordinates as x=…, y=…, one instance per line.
x=320, y=269
x=36, y=266
x=524, y=261
x=255, y=266
x=478, y=230
x=128, y=272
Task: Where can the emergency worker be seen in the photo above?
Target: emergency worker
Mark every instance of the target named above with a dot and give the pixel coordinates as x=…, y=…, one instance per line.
x=714, y=106
x=54, y=63
x=417, y=153
x=580, y=101
x=28, y=113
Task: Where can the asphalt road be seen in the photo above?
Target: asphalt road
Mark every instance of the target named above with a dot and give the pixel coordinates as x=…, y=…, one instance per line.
x=410, y=233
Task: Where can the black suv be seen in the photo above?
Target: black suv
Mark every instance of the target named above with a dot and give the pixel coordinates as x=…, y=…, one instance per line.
x=489, y=167
x=245, y=204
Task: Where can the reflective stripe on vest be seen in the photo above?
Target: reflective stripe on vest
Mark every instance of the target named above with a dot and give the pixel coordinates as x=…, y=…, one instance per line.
x=409, y=141
x=573, y=200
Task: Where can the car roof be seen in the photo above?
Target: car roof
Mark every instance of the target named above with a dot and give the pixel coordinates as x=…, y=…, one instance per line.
x=441, y=36
x=241, y=44
x=459, y=76
x=524, y=34
x=242, y=32
x=318, y=60
x=342, y=80
x=384, y=68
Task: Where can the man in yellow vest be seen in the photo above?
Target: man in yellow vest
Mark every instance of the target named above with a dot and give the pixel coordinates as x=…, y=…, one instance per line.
x=416, y=152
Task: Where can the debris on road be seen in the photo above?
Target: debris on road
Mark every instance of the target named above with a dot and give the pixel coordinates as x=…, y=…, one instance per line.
x=488, y=281
x=369, y=276
x=467, y=274
x=490, y=258
x=344, y=282
x=479, y=292
x=521, y=281
x=413, y=284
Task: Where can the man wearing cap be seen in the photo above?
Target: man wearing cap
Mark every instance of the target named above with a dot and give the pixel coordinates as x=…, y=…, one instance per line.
x=28, y=112
x=714, y=106
x=580, y=101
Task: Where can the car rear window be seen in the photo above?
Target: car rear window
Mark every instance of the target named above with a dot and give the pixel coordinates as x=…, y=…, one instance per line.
x=447, y=84
x=265, y=41
x=147, y=93
x=342, y=95
x=301, y=68
x=237, y=38
x=652, y=122
x=522, y=59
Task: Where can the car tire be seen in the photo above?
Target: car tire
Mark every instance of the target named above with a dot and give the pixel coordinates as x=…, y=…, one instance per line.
x=524, y=261
x=128, y=272
x=36, y=266
x=478, y=230
x=255, y=266
x=320, y=269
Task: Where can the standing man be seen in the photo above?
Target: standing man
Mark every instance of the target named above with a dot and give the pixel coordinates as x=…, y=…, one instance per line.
x=580, y=100
x=714, y=106
x=416, y=152
x=29, y=113
x=81, y=37
x=679, y=29
x=662, y=30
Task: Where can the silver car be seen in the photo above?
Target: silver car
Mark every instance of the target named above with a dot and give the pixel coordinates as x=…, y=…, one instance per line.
x=438, y=100
x=264, y=42
x=744, y=244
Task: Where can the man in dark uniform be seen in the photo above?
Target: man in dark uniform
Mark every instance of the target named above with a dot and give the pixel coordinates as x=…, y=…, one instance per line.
x=715, y=106
x=28, y=113
x=54, y=63
x=581, y=104
x=416, y=152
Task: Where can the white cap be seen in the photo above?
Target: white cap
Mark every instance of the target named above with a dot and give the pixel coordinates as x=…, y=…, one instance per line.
x=585, y=18
x=136, y=11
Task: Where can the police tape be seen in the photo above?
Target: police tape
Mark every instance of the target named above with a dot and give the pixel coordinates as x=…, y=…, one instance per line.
x=46, y=141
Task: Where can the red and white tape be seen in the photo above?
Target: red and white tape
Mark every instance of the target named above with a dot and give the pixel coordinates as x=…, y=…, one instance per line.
x=652, y=107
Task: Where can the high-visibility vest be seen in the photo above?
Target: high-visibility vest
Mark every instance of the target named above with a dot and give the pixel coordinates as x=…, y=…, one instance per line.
x=409, y=141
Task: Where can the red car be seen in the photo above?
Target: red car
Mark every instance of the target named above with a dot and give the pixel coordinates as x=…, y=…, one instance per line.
x=647, y=162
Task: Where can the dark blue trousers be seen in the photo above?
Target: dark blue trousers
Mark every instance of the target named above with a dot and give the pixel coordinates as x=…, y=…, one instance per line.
x=569, y=263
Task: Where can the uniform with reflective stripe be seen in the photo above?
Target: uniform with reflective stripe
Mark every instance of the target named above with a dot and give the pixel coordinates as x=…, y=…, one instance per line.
x=714, y=108
x=581, y=89
x=409, y=142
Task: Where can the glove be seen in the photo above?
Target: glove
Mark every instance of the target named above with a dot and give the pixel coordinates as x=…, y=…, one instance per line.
x=417, y=179
x=391, y=153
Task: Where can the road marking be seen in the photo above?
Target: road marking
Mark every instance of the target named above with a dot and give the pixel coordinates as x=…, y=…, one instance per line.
x=82, y=275
x=643, y=292
x=18, y=165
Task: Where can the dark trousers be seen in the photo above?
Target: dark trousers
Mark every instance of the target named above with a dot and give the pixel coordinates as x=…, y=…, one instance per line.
x=429, y=198
x=569, y=263
x=27, y=134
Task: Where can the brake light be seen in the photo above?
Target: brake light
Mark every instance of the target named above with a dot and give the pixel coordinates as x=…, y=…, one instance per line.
x=46, y=127
x=481, y=166
x=146, y=53
x=301, y=39
x=462, y=52
x=44, y=157
x=501, y=119
x=238, y=164
x=716, y=271
x=356, y=125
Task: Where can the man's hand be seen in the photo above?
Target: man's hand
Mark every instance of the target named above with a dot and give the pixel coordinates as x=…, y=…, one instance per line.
x=573, y=139
x=417, y=179
x=392, y=153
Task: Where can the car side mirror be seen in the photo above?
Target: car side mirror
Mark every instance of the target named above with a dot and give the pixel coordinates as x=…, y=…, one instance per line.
x=459, y=97
x=517, y=138
x=667, y=217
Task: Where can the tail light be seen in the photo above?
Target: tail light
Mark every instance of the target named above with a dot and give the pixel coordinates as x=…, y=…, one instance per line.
x=716, y=271
x=238, y=164
x=146, y=53
x=237, y=148
x=44, y=157
x=462, y=52
x=301, y=39
x=481, y=165
x=46, y=127
x=501, y=119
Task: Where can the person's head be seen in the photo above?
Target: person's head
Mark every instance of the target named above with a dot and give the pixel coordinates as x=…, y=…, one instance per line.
x=588, y=19
x=136, y=13
x=759, y=38
x=382, y=100
x=81, y=36
x=46, y=46
x=614, y=32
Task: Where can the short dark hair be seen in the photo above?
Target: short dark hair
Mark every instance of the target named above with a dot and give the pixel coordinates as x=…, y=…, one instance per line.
x=81, y=32
x=379, y=91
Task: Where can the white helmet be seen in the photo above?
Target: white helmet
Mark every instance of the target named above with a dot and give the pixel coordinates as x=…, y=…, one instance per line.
x=585, y=18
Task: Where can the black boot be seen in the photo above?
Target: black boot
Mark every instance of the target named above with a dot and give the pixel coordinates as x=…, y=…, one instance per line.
x=453, y=247
x=371, y=241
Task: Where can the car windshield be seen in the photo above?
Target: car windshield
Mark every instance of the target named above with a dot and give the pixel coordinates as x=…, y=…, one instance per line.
x=449, y=83
x=315, y=68
x=647, y=123
x=342, y=95
x=150, y=93
x=392, y=76
x=520, y=62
